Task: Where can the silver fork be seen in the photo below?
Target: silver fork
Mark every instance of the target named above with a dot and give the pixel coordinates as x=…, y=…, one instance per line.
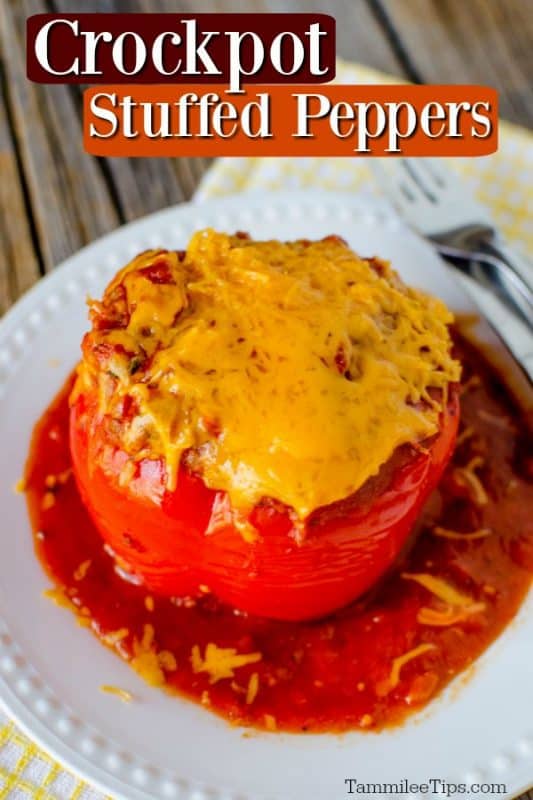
x=432, y=200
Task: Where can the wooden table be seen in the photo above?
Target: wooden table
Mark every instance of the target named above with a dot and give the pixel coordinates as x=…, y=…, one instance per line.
x=54, y=198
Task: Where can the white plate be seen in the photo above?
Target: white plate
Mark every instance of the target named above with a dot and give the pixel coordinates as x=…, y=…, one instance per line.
x=50, y=669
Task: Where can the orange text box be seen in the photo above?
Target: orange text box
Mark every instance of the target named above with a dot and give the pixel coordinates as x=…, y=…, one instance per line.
x=303, y=120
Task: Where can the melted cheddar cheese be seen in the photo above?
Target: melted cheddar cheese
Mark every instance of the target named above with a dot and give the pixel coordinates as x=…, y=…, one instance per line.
x=221, y=662
x=283, y=370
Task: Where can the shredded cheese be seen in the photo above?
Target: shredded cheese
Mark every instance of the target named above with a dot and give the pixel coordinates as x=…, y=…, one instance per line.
x=449, y=615
x=82, y=570
x=270, y=722
x=147, y=665
x=149, y=603
x=148, y=637
x=467, y=433
x=167, y=660
x=60, y=598
x=114, y=637
x=52, y=481
x=123, y=694
x=48, y=501
x=466, y=476
x=446, y=533
x=384, y=687
x=220, y=662
x=499, y=421
x=474, y=382
x=286, y=370
x=253, y=688
x=458, y=607
x=404, y=659
x=64, y=476
x=440, y=588
x=147, y=662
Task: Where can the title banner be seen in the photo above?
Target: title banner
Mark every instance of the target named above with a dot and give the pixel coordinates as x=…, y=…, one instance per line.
x=337, y=120
x=180, y=48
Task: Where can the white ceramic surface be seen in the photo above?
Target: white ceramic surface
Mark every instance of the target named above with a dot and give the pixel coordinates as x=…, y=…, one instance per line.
x=50, y=669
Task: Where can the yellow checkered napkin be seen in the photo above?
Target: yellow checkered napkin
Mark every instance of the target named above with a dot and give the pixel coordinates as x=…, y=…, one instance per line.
x=503, y=182
x=27, y=773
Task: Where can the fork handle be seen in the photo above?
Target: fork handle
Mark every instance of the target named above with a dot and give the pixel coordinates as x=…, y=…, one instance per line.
x=508, y=284
x=517, y=263
x=494, y=273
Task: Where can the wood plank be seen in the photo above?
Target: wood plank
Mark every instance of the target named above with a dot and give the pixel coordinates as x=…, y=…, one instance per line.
x=69, y=195
x=479, y=41
x=359, y=36
x=19, y=262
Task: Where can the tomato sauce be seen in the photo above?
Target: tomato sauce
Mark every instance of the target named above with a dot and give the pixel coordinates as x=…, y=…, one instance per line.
x=341, y=672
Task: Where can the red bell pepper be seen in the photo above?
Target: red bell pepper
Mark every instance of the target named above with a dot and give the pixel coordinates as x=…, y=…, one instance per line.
x=183, y=542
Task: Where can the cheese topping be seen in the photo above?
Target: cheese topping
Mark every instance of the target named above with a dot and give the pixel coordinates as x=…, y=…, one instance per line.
x=384, y=687
x=446, y=533
x=448, y=616
x=221, y=662
x=122, y=694
x=457, y=606
x=467, y=477
x=150, y=663
x=283, y=370
x=440, y=588
x=82, y=570
x=253, y=688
